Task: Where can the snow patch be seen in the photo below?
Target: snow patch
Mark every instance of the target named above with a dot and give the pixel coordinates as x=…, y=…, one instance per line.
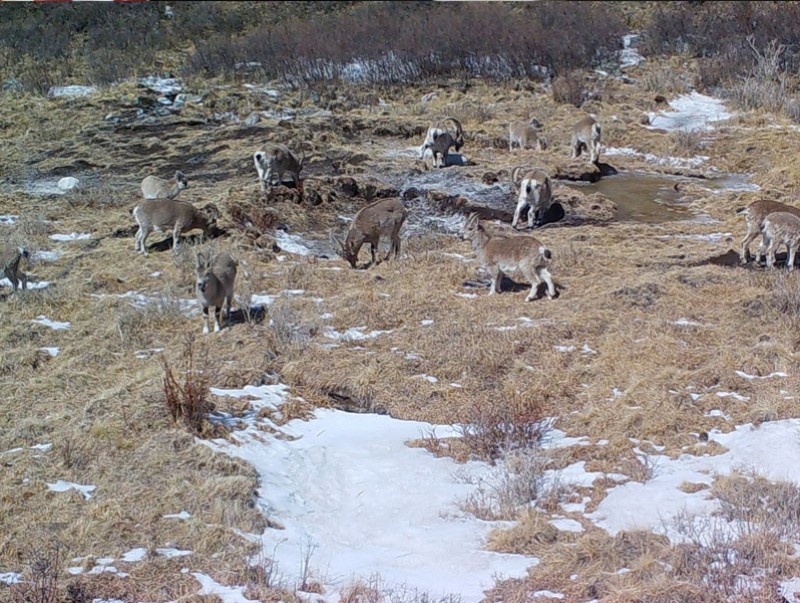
x=629, y=56
x=52, y=351
x=744, y=375
x=228, y=594
x=67, y=183
x=134, y=555
x=691, y=112
x=8, y=220
x=53, y=324
x=4, y=282
x=322, y=481
x=170, y=553
x=48, y=256
x=10, y=577
x=567, y=525
x=181, y=515
x=62, y=486
x=681, y=162
x=74, y=236
x=353, y=334
x=71, y=91
x=291, y=243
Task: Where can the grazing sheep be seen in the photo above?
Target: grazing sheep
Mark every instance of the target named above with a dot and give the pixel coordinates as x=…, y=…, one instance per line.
x=164, y=214
x=10, y=257
x=754, y=214
x=440, y=139
x=586, y=137
x=215, y=280
x=534, y=191
x=501, y=254
x=381, y=218
x=279, y=161
x=154, y=187
x=781, y=228
x=525, y=136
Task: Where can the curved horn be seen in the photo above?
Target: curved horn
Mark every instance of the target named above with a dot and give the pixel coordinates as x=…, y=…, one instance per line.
x=514, y=173
x=338, y=245
x=459, y=129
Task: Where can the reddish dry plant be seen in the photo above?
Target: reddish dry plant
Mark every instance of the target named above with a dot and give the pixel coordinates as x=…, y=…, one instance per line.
x=187, y=399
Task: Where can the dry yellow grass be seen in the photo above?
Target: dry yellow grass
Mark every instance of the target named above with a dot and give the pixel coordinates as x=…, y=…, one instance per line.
x=624, y=290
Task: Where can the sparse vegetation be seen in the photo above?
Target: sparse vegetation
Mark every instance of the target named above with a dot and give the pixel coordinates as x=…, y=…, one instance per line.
x=652, y=323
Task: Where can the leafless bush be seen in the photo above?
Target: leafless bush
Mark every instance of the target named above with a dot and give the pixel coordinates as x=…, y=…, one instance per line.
x=687, y=141
x=569, y=89
x=511, y=41
x=186, y=395
x=515, y=483
x=496, y=429
x=665, y=80
x=41, y=579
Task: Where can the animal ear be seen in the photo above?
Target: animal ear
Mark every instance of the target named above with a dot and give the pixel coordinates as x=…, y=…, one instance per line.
x=515, y=175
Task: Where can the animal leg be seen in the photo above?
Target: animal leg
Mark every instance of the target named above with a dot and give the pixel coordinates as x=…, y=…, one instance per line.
x=544, y=274
x=792, y=249
x=497, y=278
x=373, y=248
x=773, y=246
x=176, y=237
x=517, y=213
x=205, y=320
x=143, y=241
x=217, y=312
x=23, y=278
x=752, y=233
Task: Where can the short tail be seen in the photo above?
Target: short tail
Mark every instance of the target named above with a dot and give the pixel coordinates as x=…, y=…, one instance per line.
x=596, y=131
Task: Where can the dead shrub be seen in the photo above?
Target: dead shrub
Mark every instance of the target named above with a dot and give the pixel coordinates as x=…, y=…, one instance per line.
x=687, y=141
x=569, y=89
x=495, y=429
x=186, y=396
x=252, y=219
x=41, y=578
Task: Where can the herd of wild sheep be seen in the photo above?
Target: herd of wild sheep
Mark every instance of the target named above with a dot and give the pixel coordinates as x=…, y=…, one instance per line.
x=499, y=253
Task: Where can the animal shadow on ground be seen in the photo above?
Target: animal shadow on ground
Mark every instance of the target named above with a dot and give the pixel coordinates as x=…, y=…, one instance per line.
x=730, y=259
x=554, y=213
x=510, y=286
x=238, y=316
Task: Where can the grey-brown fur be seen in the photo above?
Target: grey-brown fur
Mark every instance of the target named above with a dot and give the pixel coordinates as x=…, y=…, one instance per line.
x=754, y=215
x=154, y=187
x=524, y=135
x=10, y=257
x=278, y=161
x=534, y=190
x=586, y=135
x=439, y=142
x=379, y=219
x=164, y=214
x=500, y=254
x=215, y=280
x=781, y=228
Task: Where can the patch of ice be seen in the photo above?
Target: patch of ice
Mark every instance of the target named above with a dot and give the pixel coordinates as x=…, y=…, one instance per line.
x=103, y=569
x=142, y=354
x=353, y=334
x=181, y=515
x=565, y=348
x=685, y=322
x=587, y=350
x=4, y=282
x=326, y=316
x=62, y=486
x=71, y=91
x=162, y=85
x=134, y=555
x=546, y=594
x=70, y=237
x=55, y=325
x=681, y=162
x=321, y=480
x=156, y=274
x=291, y=243
x=468, y=295
x=67, y=183
x=74, y=571
x=426, y=322
x=733, y=395
x=52, y=351
x=567, y=525
x=691, y=112
x=744, y=375
x=629, y=56
x=10, y=577
x=715, y=412
x=8, y=219
x=714, y=237
x=47, y=256
x=428, y=378
x=170, y=553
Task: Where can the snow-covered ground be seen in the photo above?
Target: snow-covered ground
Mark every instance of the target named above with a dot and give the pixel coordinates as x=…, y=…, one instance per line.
x=690, y=112
x=355, y=501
